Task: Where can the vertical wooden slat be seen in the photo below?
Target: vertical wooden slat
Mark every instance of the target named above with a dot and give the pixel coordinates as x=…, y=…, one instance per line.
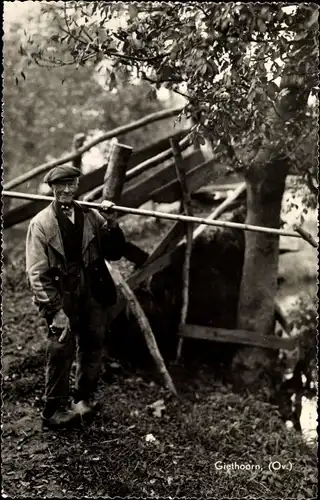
x=187, y=206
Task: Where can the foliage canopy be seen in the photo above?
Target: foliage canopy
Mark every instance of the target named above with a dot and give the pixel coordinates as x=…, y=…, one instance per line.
x=232, y=62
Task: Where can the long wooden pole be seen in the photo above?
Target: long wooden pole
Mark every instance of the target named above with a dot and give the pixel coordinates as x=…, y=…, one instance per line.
x=163, y=215
x=159, y=115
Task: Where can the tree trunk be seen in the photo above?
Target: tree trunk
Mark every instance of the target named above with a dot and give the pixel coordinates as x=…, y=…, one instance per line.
x=256, y=307
x=265, y=179
x=260, y=269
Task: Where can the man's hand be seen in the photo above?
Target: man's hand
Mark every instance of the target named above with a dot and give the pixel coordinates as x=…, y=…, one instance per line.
x=106, y=205
x=60, y=322
x=108, y=214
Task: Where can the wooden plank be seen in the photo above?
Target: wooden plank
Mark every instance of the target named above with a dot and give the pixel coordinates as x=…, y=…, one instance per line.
x=196, y=177
x=157, y=159
x=168, y=242
x=154, y=149
x=237, y=337
x=140, y=192
x=87, y=182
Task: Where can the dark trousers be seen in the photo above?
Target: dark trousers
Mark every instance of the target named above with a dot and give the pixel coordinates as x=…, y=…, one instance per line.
x=86, y=339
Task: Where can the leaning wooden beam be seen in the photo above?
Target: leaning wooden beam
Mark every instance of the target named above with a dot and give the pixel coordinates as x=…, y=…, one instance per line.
x=144, y=324
x=113, y=184
x=176, y=232
x=238, y=337
x=187, y=206
x=138, y=277
x=95, y=178
x=77, y=143
x=153, y=117
x=162, y=215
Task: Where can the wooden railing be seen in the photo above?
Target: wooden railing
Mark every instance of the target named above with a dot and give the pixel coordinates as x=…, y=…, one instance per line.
x=45, y=167
x=95, y=178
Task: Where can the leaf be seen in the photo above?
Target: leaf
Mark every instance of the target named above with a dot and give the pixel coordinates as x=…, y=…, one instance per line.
x=224, y=66
x=150, y=438
x=261, y=26
x=158, y=407
x=23, y=75
x=152, y=95
x=313, y=19
x=55, y=38
x=174, y=53
x=114, y=365
x=272, y=90
x=251, y=95
x=22, y=51
x=112, y=81
x=133, y=11
x=204, y=69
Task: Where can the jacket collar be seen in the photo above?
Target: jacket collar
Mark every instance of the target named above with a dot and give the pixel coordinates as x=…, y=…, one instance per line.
x=54, y=233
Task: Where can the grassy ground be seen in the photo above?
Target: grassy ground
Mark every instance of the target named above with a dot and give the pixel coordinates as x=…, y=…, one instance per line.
x=143, y=443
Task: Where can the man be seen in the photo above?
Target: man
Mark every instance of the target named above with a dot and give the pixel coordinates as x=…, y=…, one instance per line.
x=65, y=250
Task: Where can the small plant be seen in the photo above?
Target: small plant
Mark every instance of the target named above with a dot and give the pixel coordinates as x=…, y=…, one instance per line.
x=304, y=321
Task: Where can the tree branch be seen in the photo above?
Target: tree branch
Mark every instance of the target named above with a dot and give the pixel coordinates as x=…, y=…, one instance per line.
x=147, y=79
x=135, y=58
x=203, y=11
x=312, y=187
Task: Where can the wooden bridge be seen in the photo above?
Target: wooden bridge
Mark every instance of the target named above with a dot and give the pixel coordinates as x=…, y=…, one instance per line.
x=166, y=171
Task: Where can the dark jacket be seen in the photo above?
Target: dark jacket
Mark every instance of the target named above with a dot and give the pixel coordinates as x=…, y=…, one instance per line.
x=46, y=262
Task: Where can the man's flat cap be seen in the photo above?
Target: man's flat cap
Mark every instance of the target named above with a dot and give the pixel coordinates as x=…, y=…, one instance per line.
x=61, y=173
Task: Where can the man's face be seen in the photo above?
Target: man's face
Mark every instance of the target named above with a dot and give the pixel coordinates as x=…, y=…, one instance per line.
x=65, y=191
